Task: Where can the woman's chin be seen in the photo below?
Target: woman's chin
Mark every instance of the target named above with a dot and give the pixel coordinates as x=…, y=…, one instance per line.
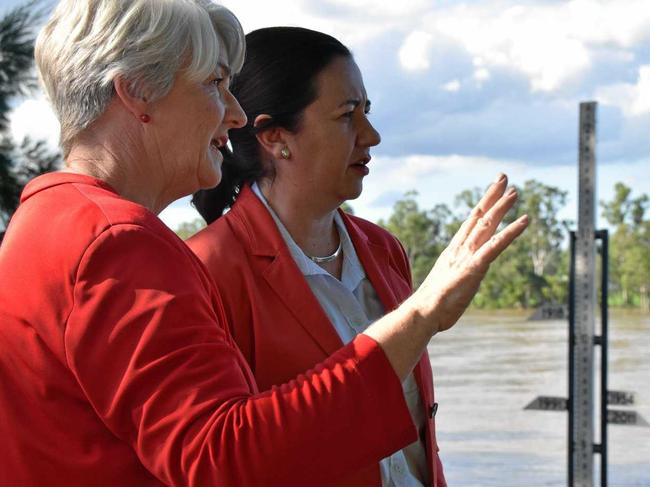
x=211, y=181
x=211, y=174
x=347, y=196
x=355, y=191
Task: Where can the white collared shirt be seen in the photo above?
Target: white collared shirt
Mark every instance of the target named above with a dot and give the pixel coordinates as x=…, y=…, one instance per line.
x=351, y=304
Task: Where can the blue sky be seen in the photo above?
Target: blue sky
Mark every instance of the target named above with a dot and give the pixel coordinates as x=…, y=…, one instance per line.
x=464, y=90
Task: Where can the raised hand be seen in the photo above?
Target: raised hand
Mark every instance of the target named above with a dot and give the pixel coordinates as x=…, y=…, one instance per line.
x=458, y=272
x=452, y=283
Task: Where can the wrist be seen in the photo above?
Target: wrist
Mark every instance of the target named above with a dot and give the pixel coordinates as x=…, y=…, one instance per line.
x=421, y=317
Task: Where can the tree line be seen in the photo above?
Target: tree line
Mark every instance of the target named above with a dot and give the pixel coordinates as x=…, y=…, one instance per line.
x=535, y=269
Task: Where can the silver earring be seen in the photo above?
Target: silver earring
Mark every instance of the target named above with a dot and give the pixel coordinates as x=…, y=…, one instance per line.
x=285, y=153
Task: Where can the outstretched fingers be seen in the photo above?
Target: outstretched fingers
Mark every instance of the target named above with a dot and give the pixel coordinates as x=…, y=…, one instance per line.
x=491, y=249
x=493, y=194
x=486, y=226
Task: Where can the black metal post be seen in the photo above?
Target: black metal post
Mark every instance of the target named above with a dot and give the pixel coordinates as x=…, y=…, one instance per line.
x=603, y=235
x=572, y=272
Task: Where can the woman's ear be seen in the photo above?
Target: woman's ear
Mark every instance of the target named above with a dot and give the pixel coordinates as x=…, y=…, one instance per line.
x=272, y=140
x=137, y=105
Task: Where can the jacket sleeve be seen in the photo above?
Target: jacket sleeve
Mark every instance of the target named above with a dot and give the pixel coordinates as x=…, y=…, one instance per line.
x=144, y=343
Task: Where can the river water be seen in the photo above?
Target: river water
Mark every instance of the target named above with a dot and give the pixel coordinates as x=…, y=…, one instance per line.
x=491, y=365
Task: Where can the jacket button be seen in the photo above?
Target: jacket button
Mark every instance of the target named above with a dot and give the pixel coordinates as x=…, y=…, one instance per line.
x=433, y=410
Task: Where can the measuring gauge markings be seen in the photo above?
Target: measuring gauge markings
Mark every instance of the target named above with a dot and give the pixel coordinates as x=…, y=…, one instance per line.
x=585, y=301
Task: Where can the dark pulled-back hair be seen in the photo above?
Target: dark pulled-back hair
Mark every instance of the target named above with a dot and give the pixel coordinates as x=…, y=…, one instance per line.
x=278, y=78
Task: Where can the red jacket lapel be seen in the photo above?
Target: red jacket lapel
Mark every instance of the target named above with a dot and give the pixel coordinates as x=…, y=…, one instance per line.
x=277, y=267
x=375, y=259
x=392, y=286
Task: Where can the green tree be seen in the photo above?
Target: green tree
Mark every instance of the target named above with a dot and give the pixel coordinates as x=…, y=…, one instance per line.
x=423, y=233
x=546, y=233
x=629, y=256
x=534, y=269
x=186, y=229
x=468, y=199
x=19, y=162
x=347, y=208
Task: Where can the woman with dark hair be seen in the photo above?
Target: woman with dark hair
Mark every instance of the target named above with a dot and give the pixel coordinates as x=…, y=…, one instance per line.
x=304, y=278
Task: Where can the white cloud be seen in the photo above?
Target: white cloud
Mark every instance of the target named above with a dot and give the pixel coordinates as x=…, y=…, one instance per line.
x=438, y=179
x=623, y=23
x=453, y=86
x=410, y=169
x=382, y=8
x=535, y=40
x=633, y=99
x=550, y=43
x=349, y=27
x=481, y=75
x=414, y=53
x=254, y=15
x=35, y=118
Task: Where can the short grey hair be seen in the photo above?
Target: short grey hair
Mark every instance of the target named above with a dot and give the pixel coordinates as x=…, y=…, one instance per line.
x=87, y=43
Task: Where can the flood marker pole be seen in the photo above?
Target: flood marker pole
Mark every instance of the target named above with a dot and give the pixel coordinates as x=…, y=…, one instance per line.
x=582, y=330
x=583, y=303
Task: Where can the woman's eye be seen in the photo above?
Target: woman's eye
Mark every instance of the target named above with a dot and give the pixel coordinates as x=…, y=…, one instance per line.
x=217, y=81
x=348, y=114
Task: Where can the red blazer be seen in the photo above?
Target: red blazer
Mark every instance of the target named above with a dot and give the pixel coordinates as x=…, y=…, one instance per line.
x=117, y=367
x=277, y=321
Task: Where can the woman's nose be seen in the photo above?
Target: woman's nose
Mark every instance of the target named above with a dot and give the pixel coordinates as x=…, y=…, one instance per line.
x=235, y=115
x=369, y=137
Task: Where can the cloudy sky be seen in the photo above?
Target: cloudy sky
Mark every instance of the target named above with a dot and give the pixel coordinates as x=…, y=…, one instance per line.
x=462, y=90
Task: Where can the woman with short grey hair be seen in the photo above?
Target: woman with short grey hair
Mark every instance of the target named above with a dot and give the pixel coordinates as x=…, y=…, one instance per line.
x=86, y=45
x=116, y=364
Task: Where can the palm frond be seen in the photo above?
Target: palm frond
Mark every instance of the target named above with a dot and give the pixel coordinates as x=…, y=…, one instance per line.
x=17, y=36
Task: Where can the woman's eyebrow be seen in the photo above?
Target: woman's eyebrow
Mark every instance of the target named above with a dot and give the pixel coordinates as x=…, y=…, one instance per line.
x=352, y=101
x=225, y=68
x=356, y=102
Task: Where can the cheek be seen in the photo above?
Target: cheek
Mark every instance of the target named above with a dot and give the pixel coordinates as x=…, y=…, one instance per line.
x=336, y=139
x=217, y=108
x=209, y=115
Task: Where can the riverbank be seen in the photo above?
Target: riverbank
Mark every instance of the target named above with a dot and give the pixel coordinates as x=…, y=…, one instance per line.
x=489, y=315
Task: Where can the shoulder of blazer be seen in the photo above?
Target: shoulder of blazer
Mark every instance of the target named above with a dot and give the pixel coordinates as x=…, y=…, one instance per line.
x=218, y=245
x=247, y=229
x=254, y=225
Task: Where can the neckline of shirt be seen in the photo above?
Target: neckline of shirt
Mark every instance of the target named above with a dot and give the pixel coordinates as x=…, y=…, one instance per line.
x=352, y=273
